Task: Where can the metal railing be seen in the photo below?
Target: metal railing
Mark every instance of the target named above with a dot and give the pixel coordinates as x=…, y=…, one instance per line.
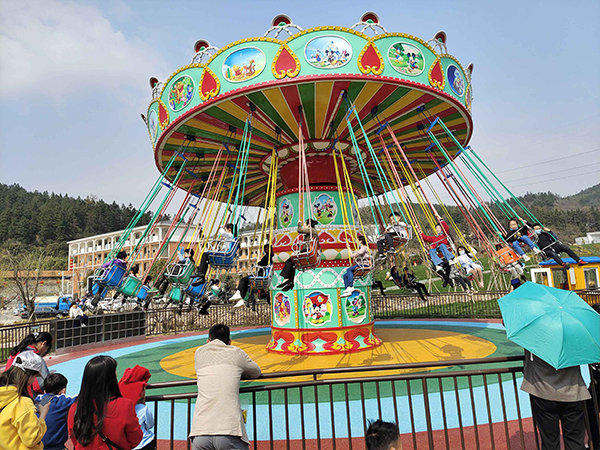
x=475, y=305
x=173, y=320
x=446, y=405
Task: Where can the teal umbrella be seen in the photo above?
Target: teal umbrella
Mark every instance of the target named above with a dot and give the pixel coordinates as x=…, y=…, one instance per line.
x=555, y=325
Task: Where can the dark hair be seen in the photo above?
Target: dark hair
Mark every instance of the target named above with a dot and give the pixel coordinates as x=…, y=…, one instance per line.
x=31, y=339
x=98, y=387
x=54, y=383
x=135, y=270
x=362, y=239
x=312, y=222
x=229, y=226
x=513, y=219
x=220, y=332
x=392, y=214
x=189, y=251
x=537, y=225
x=122, y=254
x=406, y=269
x=15, y=376
x=217, y=281
x=381, y=435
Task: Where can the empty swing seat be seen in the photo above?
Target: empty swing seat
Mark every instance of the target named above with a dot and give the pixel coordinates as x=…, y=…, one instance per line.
x=506, y=255
x=195, y=291
x=180, y=274
x=175, y=294
x=130, y=286
x=110, y=276
x=401, y=235
x=306, y=255
x=365, y=266
x=220, y=257
x=261, y=277
x=143, y=292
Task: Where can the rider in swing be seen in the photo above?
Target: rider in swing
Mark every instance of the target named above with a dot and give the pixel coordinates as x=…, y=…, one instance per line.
x=440, y=242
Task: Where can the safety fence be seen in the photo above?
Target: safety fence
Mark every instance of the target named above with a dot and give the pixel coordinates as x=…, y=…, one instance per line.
x=98, y=330
x=468, y=404
x=475, y=305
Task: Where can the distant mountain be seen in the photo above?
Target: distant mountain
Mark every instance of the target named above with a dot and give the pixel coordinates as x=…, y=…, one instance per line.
x=587, y=197
x=40, y=218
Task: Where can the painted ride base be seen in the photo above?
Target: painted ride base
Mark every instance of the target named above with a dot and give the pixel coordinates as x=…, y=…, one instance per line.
x=323, y=341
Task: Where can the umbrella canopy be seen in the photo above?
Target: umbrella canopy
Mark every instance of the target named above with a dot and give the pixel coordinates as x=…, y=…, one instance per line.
x=555, y=325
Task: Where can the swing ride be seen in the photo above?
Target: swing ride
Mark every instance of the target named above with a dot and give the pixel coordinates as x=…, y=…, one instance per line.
x=303, y=128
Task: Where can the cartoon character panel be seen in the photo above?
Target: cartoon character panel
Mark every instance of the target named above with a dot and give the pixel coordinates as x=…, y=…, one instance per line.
x=328, y=52
x=356, y=307
x=324, y=209
x=286, y=212
x=456, y=80
x=317, y=308
x=281, y=309
x=244, y=64
x=406, y=58
x=181, y=93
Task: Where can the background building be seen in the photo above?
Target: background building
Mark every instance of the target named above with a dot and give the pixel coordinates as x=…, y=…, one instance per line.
x=87, y=254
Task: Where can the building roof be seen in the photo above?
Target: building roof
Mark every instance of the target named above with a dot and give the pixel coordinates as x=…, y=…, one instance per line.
x=590, y=259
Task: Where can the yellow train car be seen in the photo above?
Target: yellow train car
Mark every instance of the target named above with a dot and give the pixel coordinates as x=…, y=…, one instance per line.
x=550, y=273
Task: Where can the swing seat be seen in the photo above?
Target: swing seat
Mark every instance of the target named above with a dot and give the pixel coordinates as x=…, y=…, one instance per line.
x=365, y=266
x=401, y=235
x=195, y=291
x=506, y=255
x=306, y=255
x=143, y=292
x=220, y=258
x=99, y=290
x=175, y=294
x=110, y=276
x=180, y=274
x=260, y=277
x=130, y=286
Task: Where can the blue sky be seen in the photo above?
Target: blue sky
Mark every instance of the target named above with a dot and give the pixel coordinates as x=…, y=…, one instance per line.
x=74, y=80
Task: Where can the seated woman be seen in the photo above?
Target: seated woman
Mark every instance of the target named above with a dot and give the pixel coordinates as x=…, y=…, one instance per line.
x=386, y=241
x=244, y=283
x=440, y=242
x=548, y=242
x=465, y=258
x=517, y=234
x=410, y=281
x=362, y=252
x=289, y=269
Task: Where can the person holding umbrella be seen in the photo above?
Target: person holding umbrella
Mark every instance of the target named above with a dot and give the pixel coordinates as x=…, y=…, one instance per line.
x=559, y=332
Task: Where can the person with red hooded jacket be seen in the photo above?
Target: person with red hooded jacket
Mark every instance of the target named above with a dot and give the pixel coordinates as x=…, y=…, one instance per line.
x=440, y=242
x=133, y=386
x=102, y=418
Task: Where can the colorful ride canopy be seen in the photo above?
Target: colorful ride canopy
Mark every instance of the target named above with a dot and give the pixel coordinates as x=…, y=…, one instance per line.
x=308, y=80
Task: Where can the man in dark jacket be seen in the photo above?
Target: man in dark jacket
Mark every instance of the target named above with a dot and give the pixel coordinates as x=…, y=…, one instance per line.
x=548, y=242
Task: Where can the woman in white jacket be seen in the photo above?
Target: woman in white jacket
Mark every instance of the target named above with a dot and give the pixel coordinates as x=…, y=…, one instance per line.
x=465, y=259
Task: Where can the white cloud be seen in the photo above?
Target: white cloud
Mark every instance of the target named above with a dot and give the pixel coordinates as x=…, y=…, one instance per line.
x=59, y=49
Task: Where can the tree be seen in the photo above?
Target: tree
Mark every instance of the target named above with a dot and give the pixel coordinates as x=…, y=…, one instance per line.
x=23, y=268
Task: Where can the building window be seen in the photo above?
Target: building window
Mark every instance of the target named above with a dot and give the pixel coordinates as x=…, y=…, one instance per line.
x=591, y=278
x=560, y=279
